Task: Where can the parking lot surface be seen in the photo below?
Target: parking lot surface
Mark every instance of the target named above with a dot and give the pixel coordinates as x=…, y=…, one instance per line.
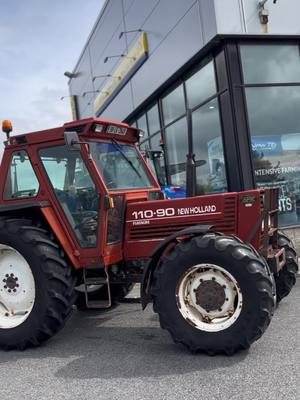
x=123, y=354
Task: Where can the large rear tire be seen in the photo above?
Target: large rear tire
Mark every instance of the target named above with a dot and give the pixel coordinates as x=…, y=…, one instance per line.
x=286, y=278
x=213, y=294
x=36, y=285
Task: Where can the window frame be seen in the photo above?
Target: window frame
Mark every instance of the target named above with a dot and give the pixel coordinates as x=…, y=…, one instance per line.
x=99, y=238
x=10, y=156
x=159, y=101
x=244, y=86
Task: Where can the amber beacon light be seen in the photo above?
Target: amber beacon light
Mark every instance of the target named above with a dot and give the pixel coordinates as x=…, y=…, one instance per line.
x=7, y=127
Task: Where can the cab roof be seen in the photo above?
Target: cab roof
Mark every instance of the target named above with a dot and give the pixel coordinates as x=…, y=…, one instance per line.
x=89, y=127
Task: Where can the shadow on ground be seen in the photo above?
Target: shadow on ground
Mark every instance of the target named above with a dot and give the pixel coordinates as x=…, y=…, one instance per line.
x=121, y=343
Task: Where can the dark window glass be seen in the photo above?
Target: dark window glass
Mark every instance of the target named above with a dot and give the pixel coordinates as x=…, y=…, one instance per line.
x=142, y=124
x=273, y=114
x=201, y=85
x=208, y=148
x=120, y=166
x=177, y=147
x=158, y=161
x=21, y=180
x=173, y=105
x=115, y=220
x=153, y=119
x=144, y=146
x=75, y=191
x=270, y=63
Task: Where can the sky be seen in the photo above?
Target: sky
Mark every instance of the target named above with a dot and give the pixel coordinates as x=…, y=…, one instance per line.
x=39, y=41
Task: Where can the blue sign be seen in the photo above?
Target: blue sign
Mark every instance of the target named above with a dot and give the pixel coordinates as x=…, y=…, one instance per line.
x=267, y=145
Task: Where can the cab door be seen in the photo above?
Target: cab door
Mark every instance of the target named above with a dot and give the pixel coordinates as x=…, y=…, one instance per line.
x=75, y=198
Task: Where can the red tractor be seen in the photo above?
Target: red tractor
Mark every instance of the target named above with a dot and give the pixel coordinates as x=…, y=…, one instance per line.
x=82, y=219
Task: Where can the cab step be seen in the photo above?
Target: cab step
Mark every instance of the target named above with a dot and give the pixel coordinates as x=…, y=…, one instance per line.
x=96, y=280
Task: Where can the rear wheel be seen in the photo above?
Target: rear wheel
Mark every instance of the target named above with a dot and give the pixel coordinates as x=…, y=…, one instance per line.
x=213, y=294
x=36, y=285
x=286, y=278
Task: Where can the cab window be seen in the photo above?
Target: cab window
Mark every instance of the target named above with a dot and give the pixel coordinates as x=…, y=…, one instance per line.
x=75, y=191
x=21, y=182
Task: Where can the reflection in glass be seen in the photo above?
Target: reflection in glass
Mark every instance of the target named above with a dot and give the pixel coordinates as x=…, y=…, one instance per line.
x=153, y=119
x=208, y=148
x=176, y=138
x=201, y=85
x=273, y=114
x=270, y=63
x=173, y=105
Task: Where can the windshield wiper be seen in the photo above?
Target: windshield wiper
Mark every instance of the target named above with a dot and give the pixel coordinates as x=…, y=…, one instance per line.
x=119, y=148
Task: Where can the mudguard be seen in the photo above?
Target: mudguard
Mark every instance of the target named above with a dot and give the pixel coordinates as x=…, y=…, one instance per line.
x=156, y=255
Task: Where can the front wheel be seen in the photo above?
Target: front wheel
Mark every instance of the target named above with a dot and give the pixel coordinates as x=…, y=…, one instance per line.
x=213, y=294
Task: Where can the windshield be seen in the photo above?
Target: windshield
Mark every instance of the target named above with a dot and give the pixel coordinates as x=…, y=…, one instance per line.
x=120, y=166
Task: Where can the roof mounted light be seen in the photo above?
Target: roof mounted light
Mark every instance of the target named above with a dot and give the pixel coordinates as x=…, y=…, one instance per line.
x=7, y=127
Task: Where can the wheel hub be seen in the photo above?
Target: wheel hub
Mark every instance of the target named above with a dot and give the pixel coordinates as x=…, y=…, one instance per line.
x=210, y=295
x=11, y=283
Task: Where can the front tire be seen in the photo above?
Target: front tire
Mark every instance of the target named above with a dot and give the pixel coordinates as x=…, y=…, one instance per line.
x=213, y=294
x=36, y=292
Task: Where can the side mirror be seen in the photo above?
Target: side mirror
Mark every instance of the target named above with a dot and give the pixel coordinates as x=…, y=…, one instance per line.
x=72, y=140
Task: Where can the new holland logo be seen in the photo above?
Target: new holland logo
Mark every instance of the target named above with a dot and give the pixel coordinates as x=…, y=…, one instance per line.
x=248, y=201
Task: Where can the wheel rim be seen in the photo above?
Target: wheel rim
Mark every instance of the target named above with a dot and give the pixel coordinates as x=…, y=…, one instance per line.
x=209, y=298
x=17, y=288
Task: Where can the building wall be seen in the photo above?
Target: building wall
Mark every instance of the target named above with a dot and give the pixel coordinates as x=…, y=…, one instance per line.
x=170, y=25
x=187, y=25
x=241, y=16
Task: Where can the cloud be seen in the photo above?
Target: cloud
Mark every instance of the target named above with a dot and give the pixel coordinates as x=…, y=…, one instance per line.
x=39, y=40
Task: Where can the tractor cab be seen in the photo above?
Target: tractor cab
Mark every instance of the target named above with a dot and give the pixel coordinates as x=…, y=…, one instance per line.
x=83, y=173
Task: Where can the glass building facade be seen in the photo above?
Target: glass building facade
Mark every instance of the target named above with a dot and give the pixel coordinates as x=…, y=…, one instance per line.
x=245, y=100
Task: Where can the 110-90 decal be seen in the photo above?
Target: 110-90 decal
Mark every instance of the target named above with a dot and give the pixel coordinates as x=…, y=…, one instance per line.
x=143, y=216
x=160, y=212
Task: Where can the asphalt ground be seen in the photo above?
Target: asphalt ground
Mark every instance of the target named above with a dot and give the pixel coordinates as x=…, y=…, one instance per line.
x=123, y=354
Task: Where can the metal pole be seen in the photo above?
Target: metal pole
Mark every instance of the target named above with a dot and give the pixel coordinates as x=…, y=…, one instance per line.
x=190, y=161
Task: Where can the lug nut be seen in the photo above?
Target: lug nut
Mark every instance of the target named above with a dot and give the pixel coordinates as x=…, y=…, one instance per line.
x=213, y=278
x=5, y=287
x=17, y=285
x=7, y=275
x=9, y=290
x=14, y=290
